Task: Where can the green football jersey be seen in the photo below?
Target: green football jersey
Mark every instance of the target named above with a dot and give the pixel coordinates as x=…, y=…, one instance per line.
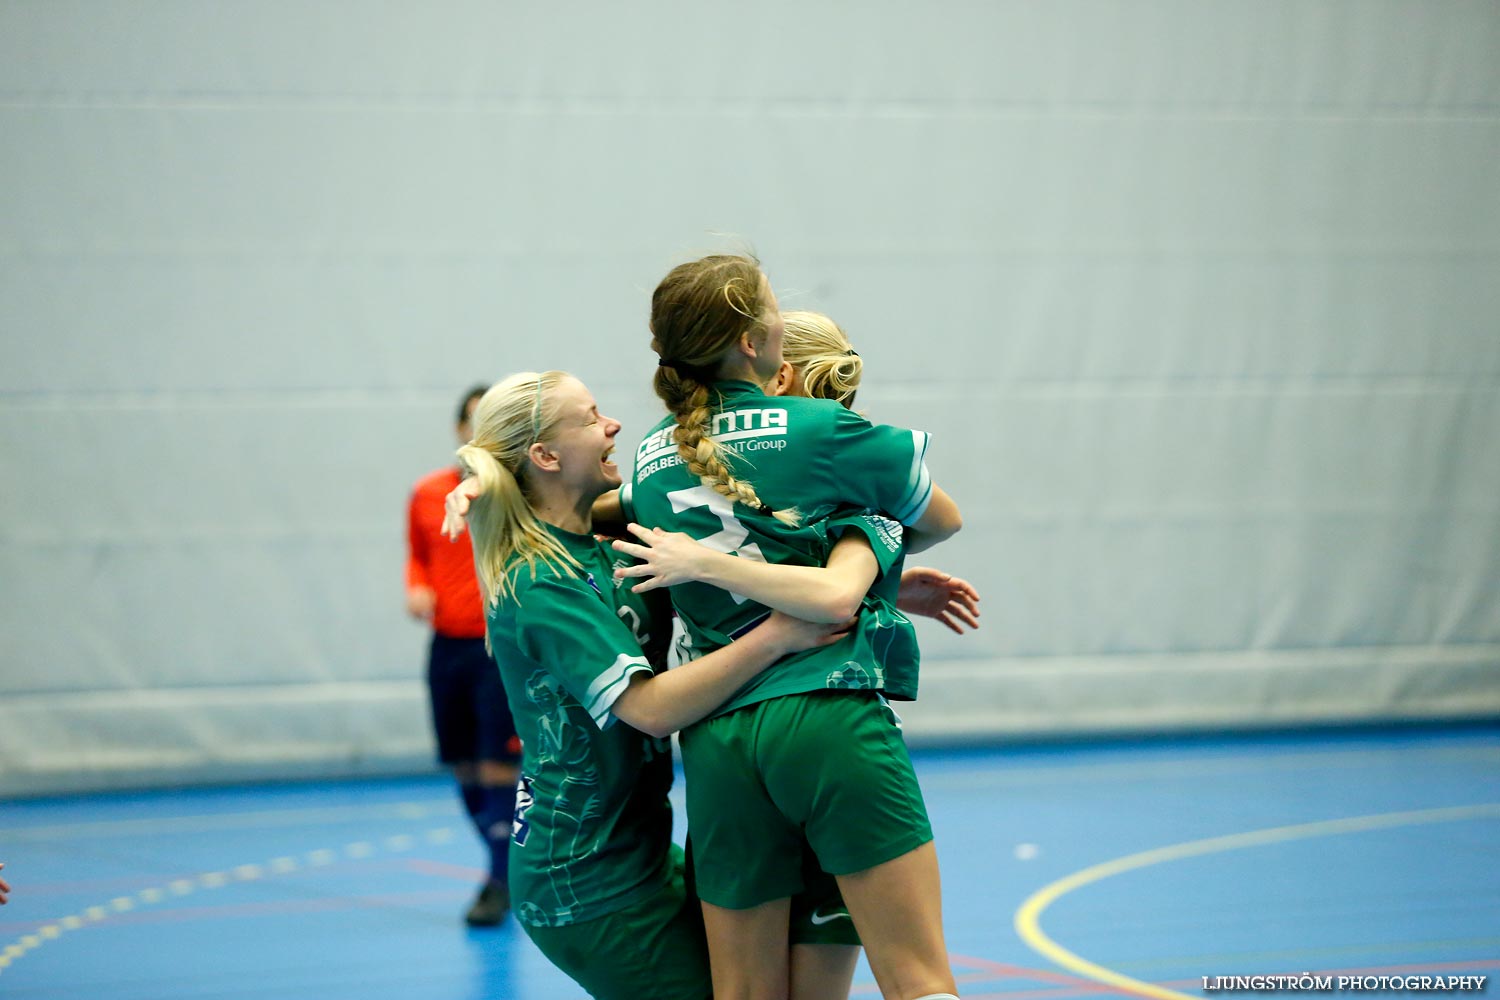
x=827, y=462
x=592, y=825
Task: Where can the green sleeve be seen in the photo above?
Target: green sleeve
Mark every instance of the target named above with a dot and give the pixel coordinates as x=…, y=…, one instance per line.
x=885, y=535
x=566, y=626
x=890, y=466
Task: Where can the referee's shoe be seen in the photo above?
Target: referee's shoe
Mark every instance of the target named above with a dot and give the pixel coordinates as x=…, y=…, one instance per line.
x=490, y=906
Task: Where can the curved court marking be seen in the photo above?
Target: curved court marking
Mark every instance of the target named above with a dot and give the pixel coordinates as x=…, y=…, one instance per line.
x=322, y=857
x=1027, y=917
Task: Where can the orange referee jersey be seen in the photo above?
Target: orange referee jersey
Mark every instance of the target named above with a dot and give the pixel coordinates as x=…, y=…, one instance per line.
x=447, y=567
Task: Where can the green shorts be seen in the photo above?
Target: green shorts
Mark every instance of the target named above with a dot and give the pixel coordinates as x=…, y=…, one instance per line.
x=829, y=767
x=655, y=948
x=818, y=914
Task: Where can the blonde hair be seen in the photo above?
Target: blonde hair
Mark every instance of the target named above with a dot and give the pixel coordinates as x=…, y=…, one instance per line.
x=821, y=353
x=509, y=418
x=698, y=312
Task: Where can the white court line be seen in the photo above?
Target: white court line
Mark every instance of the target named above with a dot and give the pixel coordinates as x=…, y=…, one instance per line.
x=92, y=915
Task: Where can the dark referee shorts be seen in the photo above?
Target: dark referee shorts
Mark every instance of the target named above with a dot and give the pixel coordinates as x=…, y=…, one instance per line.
x=470, y=715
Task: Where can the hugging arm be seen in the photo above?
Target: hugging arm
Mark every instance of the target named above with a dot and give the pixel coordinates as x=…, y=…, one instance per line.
x=938, y=523
x=660, y=704
x=829, y=593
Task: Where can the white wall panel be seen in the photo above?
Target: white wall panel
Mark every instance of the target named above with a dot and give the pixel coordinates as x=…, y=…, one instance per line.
x=1199, y=301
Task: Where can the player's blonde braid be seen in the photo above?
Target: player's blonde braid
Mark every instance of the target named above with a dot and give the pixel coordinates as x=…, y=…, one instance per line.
x=702, y=453
x=697, y=313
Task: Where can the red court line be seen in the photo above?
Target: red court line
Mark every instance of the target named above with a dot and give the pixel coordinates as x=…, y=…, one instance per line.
x=987, y=970
x=423, y=866
x=329, y=904
x=1080, y=983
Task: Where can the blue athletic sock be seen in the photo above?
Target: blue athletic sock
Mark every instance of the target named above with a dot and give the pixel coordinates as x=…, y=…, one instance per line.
x=494, y=826
x=477, y=805
x=476, y=799
x=492, y=809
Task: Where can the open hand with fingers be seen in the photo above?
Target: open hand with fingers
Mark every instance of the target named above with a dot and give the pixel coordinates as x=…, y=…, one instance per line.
x=667, y=558
x=935, y=594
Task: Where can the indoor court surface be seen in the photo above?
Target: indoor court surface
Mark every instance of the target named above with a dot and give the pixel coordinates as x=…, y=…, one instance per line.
x=1069, y=870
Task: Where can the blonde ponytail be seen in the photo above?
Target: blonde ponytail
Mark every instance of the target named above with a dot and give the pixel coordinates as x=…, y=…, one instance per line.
x=818, y=349
x=507, y=421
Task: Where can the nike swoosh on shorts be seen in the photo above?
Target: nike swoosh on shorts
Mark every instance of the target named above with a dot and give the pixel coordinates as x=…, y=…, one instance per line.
x=819, y=919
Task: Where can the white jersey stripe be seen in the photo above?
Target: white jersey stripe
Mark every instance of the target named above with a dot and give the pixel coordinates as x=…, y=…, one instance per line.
x=919, y=483
x=921, y=507
x=627, y=501
x=610, y=684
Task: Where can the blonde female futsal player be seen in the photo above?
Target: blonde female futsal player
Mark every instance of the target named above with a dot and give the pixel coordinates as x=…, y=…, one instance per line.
x=808, y=747
x=824, y=947
x=595, y=879
x=821, y=363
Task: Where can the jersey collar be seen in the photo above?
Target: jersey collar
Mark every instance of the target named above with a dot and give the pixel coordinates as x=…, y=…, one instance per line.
x=572, y=540
x=737, y=388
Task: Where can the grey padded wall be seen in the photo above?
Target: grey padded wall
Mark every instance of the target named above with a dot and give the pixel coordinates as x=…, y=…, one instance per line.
x=1199, y=300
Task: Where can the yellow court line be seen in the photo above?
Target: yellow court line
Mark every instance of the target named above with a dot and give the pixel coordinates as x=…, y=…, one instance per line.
x=1028, y=916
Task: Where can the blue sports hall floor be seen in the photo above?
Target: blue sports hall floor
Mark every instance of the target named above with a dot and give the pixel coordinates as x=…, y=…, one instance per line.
x=1069, y=870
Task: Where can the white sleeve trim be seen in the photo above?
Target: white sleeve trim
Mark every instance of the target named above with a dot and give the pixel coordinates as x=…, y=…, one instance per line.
x=627, y=502
x=919, y=483
x=610, y=684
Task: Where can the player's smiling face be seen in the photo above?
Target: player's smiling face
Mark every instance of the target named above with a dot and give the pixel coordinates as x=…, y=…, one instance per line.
x=584, y=440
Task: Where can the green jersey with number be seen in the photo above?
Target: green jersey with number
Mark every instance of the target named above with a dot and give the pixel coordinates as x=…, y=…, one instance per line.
x=833, y=466
x=593, y=825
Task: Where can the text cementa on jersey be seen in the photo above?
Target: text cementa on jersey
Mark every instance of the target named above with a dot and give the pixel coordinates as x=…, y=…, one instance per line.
x=753, y=429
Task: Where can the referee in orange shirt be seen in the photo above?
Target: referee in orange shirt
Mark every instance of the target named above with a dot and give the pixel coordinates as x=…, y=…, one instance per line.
x=476, y=736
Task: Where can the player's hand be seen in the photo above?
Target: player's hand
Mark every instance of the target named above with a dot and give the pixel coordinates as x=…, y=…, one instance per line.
x=4, y=888
x=667, y=558
x=456, y=507
x=421, y=602
x=935, y=594
x=794, y=635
